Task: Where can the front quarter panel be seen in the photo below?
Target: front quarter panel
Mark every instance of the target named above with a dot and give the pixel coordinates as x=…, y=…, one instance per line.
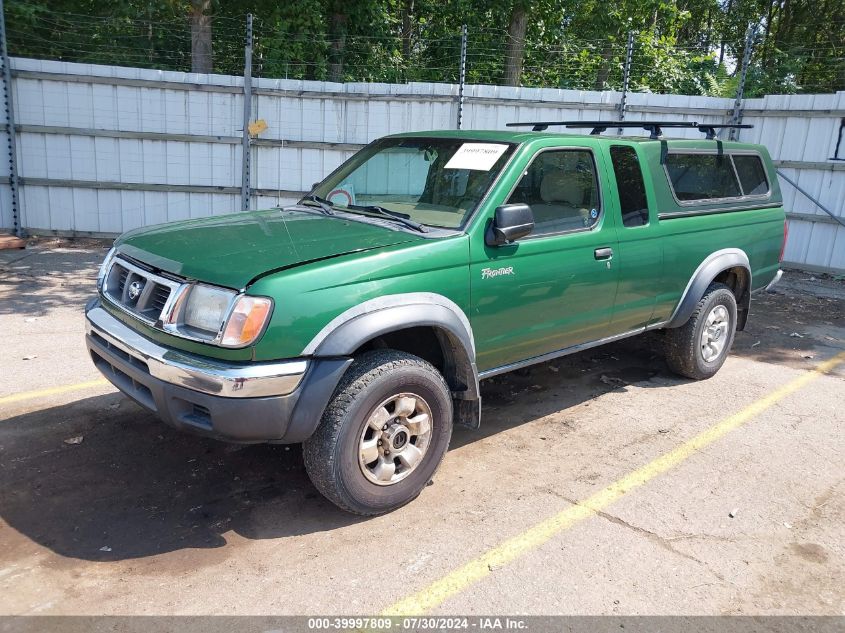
x=309, y=297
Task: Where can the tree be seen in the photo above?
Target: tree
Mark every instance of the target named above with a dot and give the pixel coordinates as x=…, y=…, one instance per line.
x=686, y=46
x=407, y=31
x=201, y=52
x=516, y=43
x=338, y=20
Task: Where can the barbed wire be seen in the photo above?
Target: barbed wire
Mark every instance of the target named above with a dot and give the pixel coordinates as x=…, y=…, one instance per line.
x=164, y=41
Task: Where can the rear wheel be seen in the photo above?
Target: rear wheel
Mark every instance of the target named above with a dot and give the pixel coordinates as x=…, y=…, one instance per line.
x=698, y=349
x=383, y=435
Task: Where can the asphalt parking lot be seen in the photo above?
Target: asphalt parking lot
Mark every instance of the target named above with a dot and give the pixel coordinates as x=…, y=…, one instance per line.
x=598, y=484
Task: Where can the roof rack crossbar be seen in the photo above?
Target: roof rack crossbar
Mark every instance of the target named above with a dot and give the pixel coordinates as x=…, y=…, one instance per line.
x=710, y=128
x=655, y=128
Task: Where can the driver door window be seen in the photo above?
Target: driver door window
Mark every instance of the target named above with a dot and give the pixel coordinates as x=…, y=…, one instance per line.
x=561, y=188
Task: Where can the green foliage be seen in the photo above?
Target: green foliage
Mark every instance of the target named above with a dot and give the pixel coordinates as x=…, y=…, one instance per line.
x=149, y=33
x=681, y=46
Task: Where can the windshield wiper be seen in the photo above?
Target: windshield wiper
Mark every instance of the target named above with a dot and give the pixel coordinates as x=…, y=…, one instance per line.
x=325, y=206
x=392, y=215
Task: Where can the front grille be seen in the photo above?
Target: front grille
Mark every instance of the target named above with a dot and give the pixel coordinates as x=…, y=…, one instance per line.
x=160, y=296
x=122, y=279
x=138, y=291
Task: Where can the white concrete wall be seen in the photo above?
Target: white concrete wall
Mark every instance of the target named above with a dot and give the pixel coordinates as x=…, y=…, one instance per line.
x=105, y=149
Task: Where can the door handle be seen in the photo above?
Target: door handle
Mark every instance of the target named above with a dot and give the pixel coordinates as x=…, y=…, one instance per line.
x=603, y=253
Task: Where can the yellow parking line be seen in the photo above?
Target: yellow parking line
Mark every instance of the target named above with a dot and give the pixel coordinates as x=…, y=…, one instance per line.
x=53, y=391
x=456, y=581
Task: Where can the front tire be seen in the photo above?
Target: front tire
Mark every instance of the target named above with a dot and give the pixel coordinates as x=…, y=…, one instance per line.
x=698, y=348
x=383, y=434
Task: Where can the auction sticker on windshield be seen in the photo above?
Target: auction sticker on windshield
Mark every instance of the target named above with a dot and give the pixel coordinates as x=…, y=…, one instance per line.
x=476, y=156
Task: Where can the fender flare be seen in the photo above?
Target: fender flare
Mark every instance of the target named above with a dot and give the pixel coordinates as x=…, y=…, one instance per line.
x=703, y=276
x=349, y=330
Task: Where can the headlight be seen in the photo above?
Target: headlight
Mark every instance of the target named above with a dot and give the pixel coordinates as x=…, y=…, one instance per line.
x=104, y=268
x=206, y=308
x=222, y=316
x=247, y=321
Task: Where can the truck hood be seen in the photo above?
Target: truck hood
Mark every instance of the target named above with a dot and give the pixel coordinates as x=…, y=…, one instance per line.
x=233, y=250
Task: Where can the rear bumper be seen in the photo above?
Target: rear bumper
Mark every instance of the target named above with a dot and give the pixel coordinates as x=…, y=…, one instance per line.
x=251, y=402
x=778, y=275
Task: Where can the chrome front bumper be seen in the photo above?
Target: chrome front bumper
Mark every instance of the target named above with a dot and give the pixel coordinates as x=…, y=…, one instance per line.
x=208, y=376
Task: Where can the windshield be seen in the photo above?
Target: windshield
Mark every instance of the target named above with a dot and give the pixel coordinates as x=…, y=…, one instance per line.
x=433, y=181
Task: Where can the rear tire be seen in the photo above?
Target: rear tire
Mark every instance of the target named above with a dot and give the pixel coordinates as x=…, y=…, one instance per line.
x=383, y=434
x=698, y=348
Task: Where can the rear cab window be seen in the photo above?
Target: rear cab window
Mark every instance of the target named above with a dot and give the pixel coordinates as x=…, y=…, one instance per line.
x=630, y=186
x=696, y=177
x=752, y=174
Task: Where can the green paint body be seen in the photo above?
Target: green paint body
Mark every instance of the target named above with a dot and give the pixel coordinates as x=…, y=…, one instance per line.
x=315, y=267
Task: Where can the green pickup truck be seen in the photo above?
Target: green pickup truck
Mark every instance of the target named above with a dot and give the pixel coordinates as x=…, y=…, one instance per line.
x=361, y=320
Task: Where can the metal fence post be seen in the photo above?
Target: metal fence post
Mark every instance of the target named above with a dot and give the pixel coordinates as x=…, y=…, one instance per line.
x=462, y=76
x=10, y=125
x=245, y=188
x=736, y=117
x=626, y=76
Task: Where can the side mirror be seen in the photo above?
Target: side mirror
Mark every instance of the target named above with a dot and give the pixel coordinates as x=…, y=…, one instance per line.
x=511, y=222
